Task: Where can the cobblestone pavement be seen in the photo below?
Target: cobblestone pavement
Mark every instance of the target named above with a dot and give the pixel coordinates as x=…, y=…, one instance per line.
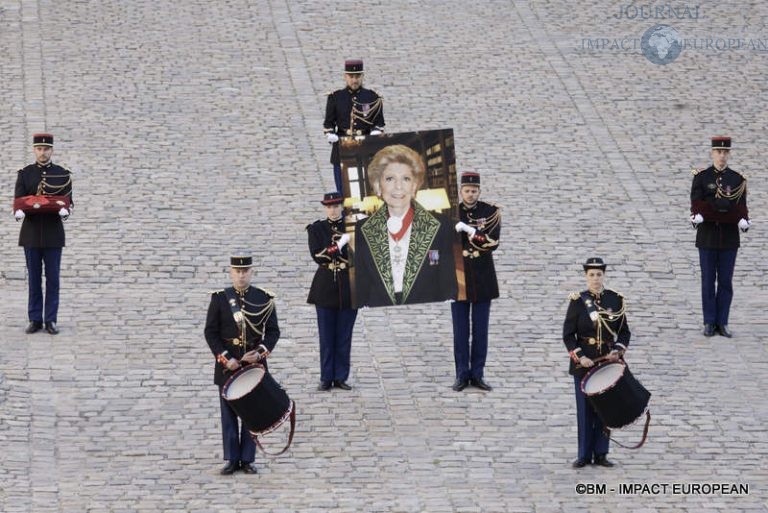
x=194, y=128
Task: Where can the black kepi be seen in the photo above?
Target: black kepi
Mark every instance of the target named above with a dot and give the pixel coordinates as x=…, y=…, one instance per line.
x=594, y=263
x=721, y=143
x=353, y=66
x=240, y=261
x=470, y=178
x=332, y=198
x=42, y=140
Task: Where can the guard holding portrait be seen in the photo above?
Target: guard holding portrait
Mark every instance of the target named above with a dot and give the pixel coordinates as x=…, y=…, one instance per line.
x=351, y=111
x=330, y=293
x=480, y=228
x=241, y=328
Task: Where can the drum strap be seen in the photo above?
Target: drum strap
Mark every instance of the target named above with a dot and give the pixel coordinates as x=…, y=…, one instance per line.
x=290, y=436
x=645, y=433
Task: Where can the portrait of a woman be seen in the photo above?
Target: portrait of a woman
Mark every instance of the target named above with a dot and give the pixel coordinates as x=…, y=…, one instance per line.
x=403, y=253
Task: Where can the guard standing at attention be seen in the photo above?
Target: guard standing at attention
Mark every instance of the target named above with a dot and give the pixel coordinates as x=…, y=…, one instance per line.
x=330, y=293
x=42, y=233
x=718, y=212
x=241, y=328
x=351, y=111
x=481, y=226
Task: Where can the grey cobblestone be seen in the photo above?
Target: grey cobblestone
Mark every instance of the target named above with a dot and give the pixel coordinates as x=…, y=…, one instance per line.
x=194, y=128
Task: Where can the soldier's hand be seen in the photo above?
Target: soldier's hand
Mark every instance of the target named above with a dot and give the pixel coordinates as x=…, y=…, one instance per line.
x=233, y=364
x=19, y=215
x=343, y=240
x=585, y=362
x=696, y=220
x=613, y=356
x=744, y=225
x=63, y=213
x=375, y=132
x=251, y=356
x=332, y=138
x=464, y=227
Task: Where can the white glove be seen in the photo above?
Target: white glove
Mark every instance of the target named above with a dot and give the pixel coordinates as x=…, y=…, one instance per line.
x=19, y=215
x=332, y=138
x=342, y=241
x=375, y=132
x=744, y=224
x=464, y=227
x=63, y=212
x=696, y=219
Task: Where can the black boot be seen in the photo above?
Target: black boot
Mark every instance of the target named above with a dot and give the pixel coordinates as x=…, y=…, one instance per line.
x=602, y=460
x=460, y=384
x=229, y=468
x=249, y=467
x=724, y=331
x=33, y=327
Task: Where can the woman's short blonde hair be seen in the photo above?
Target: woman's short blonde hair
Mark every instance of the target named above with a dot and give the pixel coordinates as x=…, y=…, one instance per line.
x=396, y=153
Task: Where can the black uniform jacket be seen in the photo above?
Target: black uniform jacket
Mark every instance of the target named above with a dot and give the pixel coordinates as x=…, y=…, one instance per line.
x=330, y=286
x=720, y=229
x=430, y=273
x=479, y=271
x=580, y=331
x=43, y=230
x=369, y=115
x=223, y=334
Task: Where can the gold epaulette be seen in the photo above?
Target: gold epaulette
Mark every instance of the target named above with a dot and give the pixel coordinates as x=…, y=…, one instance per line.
x=267, y=292
x=216, y=291
x=573, y=296
x=695, y=171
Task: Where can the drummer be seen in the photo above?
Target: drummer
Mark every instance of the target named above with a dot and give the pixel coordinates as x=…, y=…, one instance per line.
x=595, y=329
x=241, y=329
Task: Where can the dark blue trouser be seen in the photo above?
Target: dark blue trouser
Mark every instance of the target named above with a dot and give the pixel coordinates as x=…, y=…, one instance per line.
x=337, y=176
x=470, y=362
x=238, y=444
x=717, y=267
x=335, y=327
x=592, y=439
x=36, y=257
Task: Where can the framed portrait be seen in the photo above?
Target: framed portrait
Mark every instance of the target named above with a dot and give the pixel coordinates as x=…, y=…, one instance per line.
x=400, y=207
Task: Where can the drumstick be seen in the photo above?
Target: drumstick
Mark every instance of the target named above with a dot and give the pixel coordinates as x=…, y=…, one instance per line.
x=596, y=361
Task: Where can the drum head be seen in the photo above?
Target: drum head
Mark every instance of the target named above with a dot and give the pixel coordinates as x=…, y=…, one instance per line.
x=603, y=378
x=244, y=382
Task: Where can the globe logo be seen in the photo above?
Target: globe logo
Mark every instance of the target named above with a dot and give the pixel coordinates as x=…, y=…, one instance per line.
x=661, y=44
